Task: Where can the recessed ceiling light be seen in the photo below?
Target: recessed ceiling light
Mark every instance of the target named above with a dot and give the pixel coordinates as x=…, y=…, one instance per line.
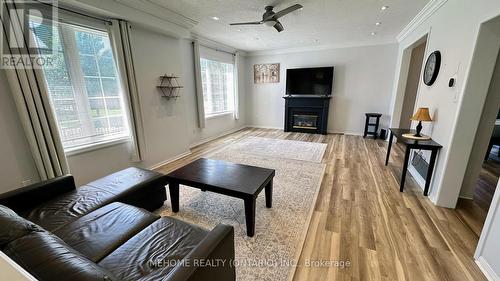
x=384, y=8
x=215, y=18
x=239, y=29
x=378, y=23
x=257, y=38
x=316, y=41
x=374, y=33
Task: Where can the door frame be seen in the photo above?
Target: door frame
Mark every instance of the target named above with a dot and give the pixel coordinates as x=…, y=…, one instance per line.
x=492, y=213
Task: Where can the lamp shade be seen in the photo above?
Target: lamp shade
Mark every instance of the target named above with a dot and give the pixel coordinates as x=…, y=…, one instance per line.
x=422, y=114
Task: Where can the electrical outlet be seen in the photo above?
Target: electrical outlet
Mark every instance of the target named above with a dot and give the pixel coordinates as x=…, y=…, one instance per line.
x=26, y=182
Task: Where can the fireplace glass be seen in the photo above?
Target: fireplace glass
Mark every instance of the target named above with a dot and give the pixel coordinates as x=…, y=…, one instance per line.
x=305, y=121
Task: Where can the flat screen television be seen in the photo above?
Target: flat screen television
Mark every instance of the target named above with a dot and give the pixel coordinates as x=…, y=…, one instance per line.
x=309, y=81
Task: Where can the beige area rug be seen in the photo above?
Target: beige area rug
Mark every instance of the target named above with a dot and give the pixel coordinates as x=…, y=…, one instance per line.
x=297, y=150
x=279, y=231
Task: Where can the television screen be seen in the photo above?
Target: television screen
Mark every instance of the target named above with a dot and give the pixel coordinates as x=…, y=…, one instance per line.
x=309, y=81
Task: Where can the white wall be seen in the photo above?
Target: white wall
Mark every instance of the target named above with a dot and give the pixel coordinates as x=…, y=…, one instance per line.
x=363, y=78
x=452, y=29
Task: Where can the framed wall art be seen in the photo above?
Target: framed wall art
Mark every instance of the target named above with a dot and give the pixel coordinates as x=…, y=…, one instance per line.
x=266, y=73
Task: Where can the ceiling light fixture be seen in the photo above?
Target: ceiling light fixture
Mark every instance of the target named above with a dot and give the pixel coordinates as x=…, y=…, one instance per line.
x=374, y=33
x=239, y=29
x=215, y=18
x=385, y=7
x=270, y=23
x=378, y=23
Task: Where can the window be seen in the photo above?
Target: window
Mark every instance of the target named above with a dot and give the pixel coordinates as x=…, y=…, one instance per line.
x=83, y=84
x=218, y=86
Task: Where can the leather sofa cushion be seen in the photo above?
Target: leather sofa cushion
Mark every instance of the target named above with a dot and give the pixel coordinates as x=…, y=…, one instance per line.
x=98, y=233
x=124, y=186
x=13, y=226
x=134, y=186
x=47, y=257
x=68, y=207
x=147, y=255
x=126, y=182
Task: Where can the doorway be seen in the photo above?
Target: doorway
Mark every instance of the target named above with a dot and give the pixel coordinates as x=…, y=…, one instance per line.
x=412, y=83
x=483, y=168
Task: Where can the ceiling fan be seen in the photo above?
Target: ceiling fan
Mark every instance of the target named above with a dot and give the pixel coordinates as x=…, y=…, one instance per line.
x=270, y=18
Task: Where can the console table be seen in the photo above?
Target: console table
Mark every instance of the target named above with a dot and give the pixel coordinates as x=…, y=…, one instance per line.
x=410, y=144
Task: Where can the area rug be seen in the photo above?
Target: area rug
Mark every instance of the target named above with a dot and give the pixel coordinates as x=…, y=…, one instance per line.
x=279, y=231
x=298, y=150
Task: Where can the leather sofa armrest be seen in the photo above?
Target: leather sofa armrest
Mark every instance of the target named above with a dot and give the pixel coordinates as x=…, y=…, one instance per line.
x=212, y=259
x=27, y=197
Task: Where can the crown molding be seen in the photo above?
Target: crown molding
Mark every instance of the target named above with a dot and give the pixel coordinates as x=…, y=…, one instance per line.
x=215, y=45
x=427, y=11
x=316, y=48
x=154, y=9
x=117, y=9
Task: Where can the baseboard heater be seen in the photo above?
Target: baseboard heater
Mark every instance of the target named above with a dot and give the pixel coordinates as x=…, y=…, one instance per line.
x=420, y=165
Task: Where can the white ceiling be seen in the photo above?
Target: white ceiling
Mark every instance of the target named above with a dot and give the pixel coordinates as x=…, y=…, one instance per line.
x=333, y=23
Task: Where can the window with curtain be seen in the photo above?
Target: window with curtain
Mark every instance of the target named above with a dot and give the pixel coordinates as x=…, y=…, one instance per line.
x=218, y=86
x=83, y=84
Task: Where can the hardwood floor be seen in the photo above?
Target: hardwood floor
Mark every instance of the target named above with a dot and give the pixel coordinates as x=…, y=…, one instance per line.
x=361, y=217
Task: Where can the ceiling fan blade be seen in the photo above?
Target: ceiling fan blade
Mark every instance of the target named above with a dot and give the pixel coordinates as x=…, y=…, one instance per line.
x=278, y=26
x=287, y=11
x=246, y=23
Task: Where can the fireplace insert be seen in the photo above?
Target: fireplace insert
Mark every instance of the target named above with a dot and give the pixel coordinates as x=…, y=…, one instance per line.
x=305, y=121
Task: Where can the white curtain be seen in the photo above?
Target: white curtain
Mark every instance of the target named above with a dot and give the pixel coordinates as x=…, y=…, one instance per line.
x=31, y=98
x=236, y=89
x=198, y=84
x=120, y=38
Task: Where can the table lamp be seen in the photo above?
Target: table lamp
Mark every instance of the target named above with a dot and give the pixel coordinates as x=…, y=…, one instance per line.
x=422, y=114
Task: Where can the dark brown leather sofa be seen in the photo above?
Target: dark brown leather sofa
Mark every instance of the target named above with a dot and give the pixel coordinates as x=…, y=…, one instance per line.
x=104, y=231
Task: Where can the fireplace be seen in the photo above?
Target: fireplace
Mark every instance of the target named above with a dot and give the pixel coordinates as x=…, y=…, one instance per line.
x=305, y=121
x=306, y=114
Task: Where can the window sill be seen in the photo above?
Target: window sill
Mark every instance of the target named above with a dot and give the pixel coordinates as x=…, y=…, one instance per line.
x=219, y=115
x=91, y=147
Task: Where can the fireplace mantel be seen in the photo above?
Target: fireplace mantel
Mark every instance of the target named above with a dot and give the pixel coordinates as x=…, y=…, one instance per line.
x=306, y=114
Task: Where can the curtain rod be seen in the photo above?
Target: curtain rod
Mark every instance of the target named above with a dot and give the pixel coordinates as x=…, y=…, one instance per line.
x=217, y=50
x=76, y=12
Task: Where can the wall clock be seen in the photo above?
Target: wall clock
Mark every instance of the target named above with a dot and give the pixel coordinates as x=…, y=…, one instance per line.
x=431, y=69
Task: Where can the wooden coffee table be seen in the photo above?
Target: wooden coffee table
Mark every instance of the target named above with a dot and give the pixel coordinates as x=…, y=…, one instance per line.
x=231, y=179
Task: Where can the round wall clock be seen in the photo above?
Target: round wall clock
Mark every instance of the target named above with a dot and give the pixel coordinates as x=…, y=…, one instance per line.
x=431, y=69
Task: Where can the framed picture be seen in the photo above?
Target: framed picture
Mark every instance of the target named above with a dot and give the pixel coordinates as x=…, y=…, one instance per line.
x=266, y=73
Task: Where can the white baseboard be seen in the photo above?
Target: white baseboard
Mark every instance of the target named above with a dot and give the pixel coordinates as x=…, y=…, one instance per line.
x=346, y=133
x=486, y=269
x=170, y=160
x=205, y=140
x=264, y=127
x=329, y=132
